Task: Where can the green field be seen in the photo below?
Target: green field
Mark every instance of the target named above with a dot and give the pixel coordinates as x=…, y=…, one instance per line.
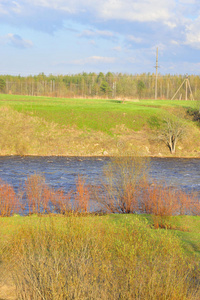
x=99, y=257
x=92, y=114
x=59, y=126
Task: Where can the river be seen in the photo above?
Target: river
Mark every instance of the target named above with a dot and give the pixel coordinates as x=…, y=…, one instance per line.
x=62, y=172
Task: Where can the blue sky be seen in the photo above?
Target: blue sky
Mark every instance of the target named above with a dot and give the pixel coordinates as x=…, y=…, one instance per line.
x=74, y=36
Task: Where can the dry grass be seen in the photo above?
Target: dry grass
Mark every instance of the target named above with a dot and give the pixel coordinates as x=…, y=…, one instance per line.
x=93, y=258
x=25, y=134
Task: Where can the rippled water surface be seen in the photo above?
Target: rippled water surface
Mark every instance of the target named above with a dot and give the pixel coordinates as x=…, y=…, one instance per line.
x=61, y=172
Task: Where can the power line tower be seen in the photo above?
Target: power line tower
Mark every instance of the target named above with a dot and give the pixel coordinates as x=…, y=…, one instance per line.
x=187, y=84
x=156, y=83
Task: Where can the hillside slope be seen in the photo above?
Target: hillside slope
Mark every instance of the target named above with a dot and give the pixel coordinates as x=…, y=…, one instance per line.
x=59, y=126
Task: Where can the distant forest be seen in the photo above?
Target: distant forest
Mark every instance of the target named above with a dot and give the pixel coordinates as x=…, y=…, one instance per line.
x=109, y=85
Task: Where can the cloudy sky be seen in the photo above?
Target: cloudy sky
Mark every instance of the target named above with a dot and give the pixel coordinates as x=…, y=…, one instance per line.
x=72, y=36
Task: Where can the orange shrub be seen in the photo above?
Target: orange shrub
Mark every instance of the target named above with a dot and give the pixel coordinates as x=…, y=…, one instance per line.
x=8, y=200
x=61, y=202
x=160, y=200
x=82, y=196
x=38, y=194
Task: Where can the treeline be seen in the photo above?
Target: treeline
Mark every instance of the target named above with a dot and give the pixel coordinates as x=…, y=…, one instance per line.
x=110, y=85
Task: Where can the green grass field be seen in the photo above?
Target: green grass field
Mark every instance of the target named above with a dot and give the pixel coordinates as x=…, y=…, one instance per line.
x=89, y=126
x=102, y=115
x=99, y=257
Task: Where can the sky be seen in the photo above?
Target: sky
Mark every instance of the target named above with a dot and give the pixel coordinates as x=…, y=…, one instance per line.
x=120, y=36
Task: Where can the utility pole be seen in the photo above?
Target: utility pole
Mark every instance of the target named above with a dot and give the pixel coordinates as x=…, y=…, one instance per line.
x=186, y=87
x=156, y=83
x=187, y=84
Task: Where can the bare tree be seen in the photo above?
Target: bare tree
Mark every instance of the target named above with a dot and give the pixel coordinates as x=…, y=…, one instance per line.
x=172, y=131
x=119, y=191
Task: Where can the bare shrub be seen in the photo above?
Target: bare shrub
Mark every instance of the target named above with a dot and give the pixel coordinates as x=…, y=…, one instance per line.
x=162, y=202
x=195, y=207
x=120, y=188
x=82, y=195
x=74, y=200
x=8, y=200
x=172, y=131
x=61, y=202
x=124, y=189
x=189, y=203
x=159, y=200
x=43, y=199
x=38, y=194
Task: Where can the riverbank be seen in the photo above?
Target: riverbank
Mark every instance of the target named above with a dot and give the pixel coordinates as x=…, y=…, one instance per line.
x=101, y=257
x=41, y=126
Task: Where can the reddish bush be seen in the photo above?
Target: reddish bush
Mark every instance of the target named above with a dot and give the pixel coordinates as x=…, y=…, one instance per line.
x=162, y=202
x=38, y=194
x=155, y=199
x=193, y=205
x=82, y=196
x=184, y=202
x=61, y=202
x=8, y=200
x=159, y=200
x=42, y=199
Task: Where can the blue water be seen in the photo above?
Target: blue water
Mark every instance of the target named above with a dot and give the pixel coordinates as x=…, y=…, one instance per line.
x=62, y=172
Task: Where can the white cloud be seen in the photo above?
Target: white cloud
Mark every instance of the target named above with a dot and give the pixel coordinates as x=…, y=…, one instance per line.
x=94, y=60
x=3, y=10
x=170, y=24
x=117, y=48
x=129, y=10
x=138, y=10
x=92, y=42
x=68, y=6
x=96, y=33
x=87, y=33
x=134, y=39
x=173, y=42
x=193, y=34
x=187, y=1
x=131, y=60
x=15, y=40
x=16, y=7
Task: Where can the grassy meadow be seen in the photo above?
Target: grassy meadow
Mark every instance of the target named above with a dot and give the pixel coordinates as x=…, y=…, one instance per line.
x=99, y=257
x=58, y=126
